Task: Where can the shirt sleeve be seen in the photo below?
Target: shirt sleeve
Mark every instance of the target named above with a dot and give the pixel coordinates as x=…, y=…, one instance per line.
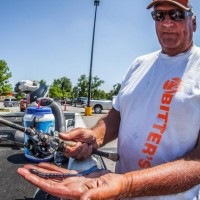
x=134, y=65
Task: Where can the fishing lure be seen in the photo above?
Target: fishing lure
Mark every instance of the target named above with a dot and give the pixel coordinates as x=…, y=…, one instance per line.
x=62, y=176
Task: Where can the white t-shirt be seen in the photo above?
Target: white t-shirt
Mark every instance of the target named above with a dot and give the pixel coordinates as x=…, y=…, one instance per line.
x=159, y=104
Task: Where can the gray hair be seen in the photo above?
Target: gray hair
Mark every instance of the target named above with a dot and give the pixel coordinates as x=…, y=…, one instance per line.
x=191, y=8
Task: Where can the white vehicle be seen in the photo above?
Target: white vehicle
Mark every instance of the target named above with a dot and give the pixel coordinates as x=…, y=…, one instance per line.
x=10, y=102
x=99, y=105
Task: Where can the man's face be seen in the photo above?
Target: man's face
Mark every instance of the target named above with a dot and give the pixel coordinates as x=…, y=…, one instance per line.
x=174, y=36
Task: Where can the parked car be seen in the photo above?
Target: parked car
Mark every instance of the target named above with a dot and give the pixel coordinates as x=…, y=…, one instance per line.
x=72, y=101
x=99, y=105
x=10, y=102
x=80, y=101
x=67, y=101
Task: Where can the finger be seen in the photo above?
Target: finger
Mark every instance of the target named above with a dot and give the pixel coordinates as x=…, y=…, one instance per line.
x=73, y=151
x=86, y=151
x=51, y=167
x=27, y=174
x=79, y=134
x=41, y=169
x=29, y=166
x=71, y=135
x=89, y=152
x=50, y=186
x=22, y=171
x=97, y=174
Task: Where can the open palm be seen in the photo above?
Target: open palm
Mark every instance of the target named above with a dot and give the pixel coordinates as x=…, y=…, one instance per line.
x=97, y=185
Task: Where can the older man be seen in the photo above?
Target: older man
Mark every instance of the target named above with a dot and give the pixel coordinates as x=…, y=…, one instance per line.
x=156, y=118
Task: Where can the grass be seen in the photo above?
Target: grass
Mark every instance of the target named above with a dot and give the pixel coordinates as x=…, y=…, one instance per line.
x=4, y=110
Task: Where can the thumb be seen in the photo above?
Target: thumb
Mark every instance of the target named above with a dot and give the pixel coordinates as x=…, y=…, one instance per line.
x=71, y=135
x=65, y=136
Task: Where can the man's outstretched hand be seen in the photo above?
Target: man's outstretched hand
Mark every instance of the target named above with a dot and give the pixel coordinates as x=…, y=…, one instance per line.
x=97, y=185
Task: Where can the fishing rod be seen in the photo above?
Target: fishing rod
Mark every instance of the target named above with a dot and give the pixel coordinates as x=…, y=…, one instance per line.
x=41, y=145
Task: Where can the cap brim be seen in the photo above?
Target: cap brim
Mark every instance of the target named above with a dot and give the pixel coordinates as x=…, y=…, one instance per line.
x=167, y=1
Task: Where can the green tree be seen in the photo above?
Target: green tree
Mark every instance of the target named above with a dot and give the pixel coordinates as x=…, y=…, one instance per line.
x=61, y=88
x=114, y=91
x=75, y=92
x=20, y=95
x=5, y=74
x=55, y=92
x=96, y=93
x=100, y=94
x=81, y=89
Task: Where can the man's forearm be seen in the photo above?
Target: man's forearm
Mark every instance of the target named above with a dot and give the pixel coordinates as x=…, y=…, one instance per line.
x=170, y=178
x=107, y=128
x=165, y=179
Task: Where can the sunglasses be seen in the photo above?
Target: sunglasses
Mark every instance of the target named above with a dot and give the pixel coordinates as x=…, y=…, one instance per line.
x=175, y=15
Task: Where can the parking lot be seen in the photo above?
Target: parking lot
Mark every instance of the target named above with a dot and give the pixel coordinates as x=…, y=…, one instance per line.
x=89, y=120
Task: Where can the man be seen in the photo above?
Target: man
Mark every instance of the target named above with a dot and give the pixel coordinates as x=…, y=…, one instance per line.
x=156, y=118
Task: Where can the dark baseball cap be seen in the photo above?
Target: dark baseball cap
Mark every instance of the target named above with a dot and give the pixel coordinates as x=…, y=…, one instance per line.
x=183, y=4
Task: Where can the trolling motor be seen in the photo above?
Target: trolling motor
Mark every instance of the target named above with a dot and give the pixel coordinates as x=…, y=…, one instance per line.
x=33, y=90
x=26, y=86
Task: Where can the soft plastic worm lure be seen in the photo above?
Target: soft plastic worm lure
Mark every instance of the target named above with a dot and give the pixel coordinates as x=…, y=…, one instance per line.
x=62, y=176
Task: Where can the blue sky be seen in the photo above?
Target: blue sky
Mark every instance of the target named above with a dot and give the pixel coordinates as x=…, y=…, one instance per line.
x=49, y=39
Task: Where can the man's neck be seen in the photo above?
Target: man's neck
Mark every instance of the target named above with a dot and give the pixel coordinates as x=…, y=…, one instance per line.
x=174, y=52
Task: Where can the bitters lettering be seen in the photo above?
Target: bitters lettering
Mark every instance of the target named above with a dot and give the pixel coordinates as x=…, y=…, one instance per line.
x=154, y=137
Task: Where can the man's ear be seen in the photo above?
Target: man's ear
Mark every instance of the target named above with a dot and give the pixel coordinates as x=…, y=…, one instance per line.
x=194, y=23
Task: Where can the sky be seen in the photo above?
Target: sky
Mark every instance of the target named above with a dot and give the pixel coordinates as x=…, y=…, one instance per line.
x=50, y=39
